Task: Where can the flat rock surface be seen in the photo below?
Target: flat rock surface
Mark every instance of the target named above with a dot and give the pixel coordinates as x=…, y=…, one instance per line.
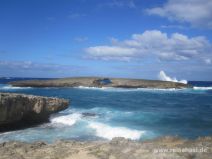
x=99, y=82
x=118, y=148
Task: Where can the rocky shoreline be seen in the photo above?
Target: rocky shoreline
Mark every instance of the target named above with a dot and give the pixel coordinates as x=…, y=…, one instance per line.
x=118, y=148
x=100, y=82
x=22, y=110
x=17, y=109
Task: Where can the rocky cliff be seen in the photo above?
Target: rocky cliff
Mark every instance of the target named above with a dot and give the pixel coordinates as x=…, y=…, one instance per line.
x=16, y=108
x=99, y=82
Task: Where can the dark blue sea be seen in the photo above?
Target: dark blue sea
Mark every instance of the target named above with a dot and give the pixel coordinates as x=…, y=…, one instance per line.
x=104, y=113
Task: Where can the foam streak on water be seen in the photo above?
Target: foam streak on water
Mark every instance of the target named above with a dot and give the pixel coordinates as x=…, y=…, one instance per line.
x=67, y=119
x=109, y=132
x=113, y=89
x=202, y=88
x=8, y=87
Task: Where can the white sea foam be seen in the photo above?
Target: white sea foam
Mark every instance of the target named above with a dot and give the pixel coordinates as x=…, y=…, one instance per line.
x=113, y=89
x=8, y=87
x=159, y=89
x=67, y=119
x=106, y=88
x=94, y=88
x=108, y=132
x=202, y=88
x=162, y=76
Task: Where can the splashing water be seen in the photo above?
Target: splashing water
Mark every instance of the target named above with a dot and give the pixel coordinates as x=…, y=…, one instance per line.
x=162, y=76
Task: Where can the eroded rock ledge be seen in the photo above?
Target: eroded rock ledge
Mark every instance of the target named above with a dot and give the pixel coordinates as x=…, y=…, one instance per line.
x=22, y=108
x=118, y=148
x=99, y=82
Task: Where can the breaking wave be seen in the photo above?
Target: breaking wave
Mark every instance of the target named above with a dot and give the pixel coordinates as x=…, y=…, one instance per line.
x=162, y=76
x=9, y=87
x=202, y=88
x=108, y=132
x=101, y=130
x=67, y=119
x=113, y=89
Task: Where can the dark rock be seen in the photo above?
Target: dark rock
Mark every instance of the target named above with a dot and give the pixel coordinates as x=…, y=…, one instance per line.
x=102, y=82
x=18, y=109
x=86, y=114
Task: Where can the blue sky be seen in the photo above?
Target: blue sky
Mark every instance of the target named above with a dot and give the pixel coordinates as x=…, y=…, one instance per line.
x=115, y=38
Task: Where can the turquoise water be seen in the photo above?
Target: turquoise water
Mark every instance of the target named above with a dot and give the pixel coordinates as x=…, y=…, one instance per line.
x=137, y=114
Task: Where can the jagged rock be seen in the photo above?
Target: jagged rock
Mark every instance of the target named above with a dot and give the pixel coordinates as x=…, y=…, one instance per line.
x=19, y=107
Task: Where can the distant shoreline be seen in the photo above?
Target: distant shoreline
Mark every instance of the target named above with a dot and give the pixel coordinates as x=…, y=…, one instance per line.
x=99, y=82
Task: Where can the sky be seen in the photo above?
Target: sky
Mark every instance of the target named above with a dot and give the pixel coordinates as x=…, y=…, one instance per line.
x=110, y=38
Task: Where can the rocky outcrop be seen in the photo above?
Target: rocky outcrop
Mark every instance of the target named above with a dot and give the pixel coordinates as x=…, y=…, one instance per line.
x=16, y=108
x=118, y=148
x=99, y=82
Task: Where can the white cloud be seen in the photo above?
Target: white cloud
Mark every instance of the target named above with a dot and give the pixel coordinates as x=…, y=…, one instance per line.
x=163, y=77
x=208, y=61
x=111, y=52
x=153, y=43
x=196, y=12
x=29, y=67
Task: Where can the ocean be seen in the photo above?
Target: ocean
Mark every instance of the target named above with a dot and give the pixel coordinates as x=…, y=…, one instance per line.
x=104, y=113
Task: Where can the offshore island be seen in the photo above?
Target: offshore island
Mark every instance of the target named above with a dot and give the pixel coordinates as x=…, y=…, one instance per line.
x=100, y=82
